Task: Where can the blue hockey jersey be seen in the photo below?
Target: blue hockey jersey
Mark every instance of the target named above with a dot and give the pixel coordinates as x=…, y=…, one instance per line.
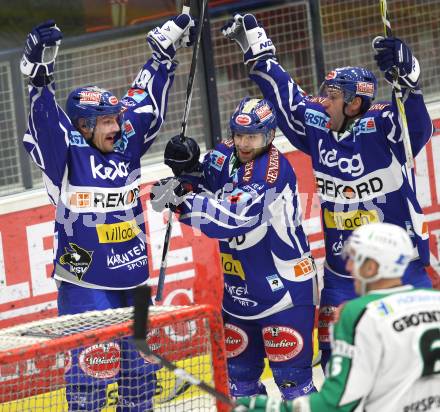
x=359, y=173
x=99, y=230
x=253, y=210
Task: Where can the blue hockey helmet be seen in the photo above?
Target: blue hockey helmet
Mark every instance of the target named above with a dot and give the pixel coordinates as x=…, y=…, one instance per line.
x=352, y=81
x=253, y=116
x=89, y=102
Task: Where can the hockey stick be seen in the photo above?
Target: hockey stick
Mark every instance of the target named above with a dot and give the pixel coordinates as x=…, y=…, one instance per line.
x=398, y=93
x=140, y=318
x=188, y=98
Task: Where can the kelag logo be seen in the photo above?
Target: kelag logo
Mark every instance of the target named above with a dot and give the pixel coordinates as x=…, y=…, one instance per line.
x=351, y=165
x=110, y=171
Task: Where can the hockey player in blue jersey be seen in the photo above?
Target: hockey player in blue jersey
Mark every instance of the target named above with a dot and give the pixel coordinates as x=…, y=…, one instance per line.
x=356, y=149
x=90, y=158
x=247, y=198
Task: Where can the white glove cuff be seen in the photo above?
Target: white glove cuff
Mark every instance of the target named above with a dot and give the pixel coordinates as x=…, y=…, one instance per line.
x=415, y=72
x=48, y=57
x=258, y=41
x=172, y=31
x=28, y=68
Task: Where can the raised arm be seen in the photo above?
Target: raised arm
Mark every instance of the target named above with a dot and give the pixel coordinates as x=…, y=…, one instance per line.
x=275, y=83
x=146, y=101
x=394, y=57
x=47, y=136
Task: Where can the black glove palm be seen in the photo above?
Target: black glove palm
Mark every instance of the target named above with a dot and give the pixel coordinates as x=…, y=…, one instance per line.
x=182, y=156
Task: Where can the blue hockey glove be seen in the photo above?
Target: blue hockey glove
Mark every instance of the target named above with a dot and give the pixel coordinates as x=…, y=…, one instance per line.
x=168, y=193
x=391, y=53
x=182, y=156
x=40, y=51
x=164, y=41
x=250, y=36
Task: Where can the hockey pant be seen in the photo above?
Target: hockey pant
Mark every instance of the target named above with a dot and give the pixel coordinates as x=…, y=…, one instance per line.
x=95, y=370
x=285, y=338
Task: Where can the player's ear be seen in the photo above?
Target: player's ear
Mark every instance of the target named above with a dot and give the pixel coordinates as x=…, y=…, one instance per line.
x=81, y=125
x=371, y=268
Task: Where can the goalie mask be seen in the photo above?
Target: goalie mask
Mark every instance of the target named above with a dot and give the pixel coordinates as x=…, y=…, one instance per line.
x=254, y=116
x=90, y=102
x=387, y=244
x=352, y=81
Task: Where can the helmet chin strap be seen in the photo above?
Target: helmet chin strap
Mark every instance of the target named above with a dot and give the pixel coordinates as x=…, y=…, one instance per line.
x=91, y=126
x=348, y=120
x=90, y=141
x=364, y=281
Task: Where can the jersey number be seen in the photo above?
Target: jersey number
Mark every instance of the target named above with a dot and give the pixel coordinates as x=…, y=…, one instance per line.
x=430, y=349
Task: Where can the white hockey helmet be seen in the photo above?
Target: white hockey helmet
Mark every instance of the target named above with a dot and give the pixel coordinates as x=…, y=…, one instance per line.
x=387, y=244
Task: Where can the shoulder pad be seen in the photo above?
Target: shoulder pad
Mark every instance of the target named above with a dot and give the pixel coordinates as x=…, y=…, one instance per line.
x=228, y=143
x=378, y=107
x=315, y=99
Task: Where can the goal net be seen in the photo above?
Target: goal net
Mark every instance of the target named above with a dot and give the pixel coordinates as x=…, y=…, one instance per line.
x=55, y=364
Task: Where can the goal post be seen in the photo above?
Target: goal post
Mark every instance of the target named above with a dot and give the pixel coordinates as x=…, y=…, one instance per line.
x=34, y=357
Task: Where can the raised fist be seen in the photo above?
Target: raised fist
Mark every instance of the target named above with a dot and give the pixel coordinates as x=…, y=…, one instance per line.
x=182, y=156
x=40, y=50
x=392, y=53
x=164, y=41
x=250, y=36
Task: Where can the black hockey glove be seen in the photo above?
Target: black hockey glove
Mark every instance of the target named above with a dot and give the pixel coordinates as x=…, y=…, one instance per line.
x=182, y=156
x=168, y=193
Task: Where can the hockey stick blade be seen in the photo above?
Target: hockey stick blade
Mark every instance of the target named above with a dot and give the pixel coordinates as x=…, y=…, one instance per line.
x=140, y=318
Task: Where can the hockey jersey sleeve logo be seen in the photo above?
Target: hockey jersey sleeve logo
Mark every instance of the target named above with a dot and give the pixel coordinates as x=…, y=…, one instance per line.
x=217, y=160
x=316, y=119
x=78, y=259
